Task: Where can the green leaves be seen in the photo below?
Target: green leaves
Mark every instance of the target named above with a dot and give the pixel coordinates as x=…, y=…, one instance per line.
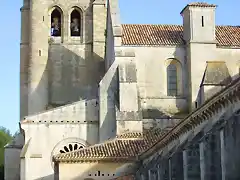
x=5, y=137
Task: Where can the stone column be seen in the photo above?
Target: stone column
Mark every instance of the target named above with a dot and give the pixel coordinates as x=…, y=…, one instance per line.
x=191, y=163
x=230, y=145
x=176, y=166
x=202, y=160
x=152, y=174
x=210, y=164
x=223, y=155
x=170, y=168
x=159, y=172
x=164, y=169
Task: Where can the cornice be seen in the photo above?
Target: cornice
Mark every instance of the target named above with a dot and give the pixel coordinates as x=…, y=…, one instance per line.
x=95, y=160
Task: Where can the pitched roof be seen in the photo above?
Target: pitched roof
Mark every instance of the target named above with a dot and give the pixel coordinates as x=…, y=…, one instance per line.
x=126, y=147
x=122, y=148
x=199, y=4
x=216, y=73
x=155, y=35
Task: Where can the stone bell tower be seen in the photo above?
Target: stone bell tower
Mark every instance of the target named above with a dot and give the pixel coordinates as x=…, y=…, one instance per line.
x=62, y=52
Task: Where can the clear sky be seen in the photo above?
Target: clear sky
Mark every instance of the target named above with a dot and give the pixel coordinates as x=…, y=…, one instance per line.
x=132, y=11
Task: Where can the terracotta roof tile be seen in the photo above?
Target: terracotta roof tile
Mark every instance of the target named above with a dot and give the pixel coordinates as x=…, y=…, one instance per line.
x=120, y=148
x=152, y=34
x=126, y=150
x=155, y=35
x=110, y=150
x=130, y=135
x=201, y=4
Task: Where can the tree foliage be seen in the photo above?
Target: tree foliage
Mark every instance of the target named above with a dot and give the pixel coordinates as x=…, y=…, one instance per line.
x=5, y=137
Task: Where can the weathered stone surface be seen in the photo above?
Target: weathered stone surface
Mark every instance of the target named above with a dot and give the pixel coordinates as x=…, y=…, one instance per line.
x=129, y=83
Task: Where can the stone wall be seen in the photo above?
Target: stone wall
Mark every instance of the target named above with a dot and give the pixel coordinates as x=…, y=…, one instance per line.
x=78, y=112
x=231, y=147
x=89, y=170
x=12, y=163
x=109, y=84
x=73, y=75
x=48, y=59
x=151, y=64
x=108, y=88
x=43, y=140
x=208, y=151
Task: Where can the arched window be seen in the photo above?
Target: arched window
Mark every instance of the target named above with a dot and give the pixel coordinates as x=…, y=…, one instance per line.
x=172, y=80
x=71, y=147
x=75, y=26
x=56, y=24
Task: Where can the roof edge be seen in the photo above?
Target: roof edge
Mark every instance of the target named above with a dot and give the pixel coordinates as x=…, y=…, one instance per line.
x=198, y=4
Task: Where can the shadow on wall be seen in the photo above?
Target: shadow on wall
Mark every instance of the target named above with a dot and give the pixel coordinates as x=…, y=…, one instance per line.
x=72, y=77
x=110, y=105
x=95, y=72
x=208, y=90
x=109, y=86
x=154, y=114
x=177, y=106
x=69, y=77
x=232, y=146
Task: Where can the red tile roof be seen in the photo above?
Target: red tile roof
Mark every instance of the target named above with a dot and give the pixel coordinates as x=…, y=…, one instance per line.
x=127, y=147
x=155, y=35
x=199, y=4
x=122, y=148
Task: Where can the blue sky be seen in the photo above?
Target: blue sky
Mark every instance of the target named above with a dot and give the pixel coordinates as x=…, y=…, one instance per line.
x=132, y=11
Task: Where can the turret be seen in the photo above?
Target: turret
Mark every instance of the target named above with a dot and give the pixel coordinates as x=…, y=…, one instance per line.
x=199, y=36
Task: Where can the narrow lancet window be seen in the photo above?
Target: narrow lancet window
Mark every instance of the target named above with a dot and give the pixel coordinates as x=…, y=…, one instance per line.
x=172, y=80
x=75, y=23
x=56, y=23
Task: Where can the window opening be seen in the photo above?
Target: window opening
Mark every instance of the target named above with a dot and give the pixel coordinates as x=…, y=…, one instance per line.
x=172, y=80
x=202, y=21
x=71, y=147
x=56, y=23
x=75, y=23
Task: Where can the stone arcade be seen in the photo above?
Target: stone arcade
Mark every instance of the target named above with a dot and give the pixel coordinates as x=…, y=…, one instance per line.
x=105, y=100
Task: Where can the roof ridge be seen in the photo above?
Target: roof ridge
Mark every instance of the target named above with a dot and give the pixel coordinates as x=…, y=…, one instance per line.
x=152, y=24
x=172, y=35
x=217, y=25
x=99, y=145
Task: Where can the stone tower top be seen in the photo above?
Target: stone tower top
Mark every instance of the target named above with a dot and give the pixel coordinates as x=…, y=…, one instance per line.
x=199, y=17
x=199, y=4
